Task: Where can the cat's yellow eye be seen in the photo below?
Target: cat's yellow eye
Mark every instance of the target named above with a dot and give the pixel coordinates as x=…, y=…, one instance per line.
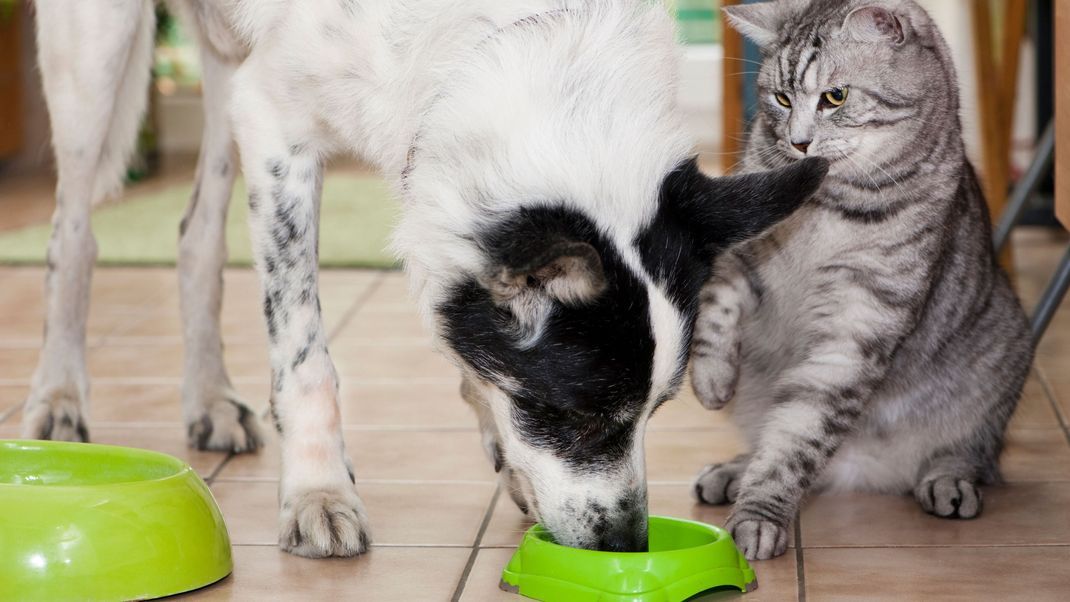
x=834, y=96
x=782, y=100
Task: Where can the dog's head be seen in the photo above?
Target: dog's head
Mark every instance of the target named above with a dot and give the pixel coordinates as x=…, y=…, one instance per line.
x=574, y=335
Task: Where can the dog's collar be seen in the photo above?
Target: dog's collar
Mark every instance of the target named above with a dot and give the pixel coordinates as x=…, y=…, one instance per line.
x=410, y=154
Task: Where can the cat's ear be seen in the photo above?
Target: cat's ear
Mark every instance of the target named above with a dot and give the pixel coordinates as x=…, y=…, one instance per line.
x=874, y=24
x=723, y=211
x=757, y=22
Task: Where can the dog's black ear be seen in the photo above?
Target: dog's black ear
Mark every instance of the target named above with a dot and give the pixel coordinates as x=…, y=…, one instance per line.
x=724, y=211
x=540, y=252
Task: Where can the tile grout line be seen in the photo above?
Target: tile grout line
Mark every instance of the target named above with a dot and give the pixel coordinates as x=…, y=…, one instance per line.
x=8, y=413
x=800, y=570
x=359, y=303
x=210, y=479
x=463, y=581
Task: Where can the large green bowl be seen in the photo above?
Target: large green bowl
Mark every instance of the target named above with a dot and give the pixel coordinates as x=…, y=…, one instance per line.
x=685, y=558
x=97, y=522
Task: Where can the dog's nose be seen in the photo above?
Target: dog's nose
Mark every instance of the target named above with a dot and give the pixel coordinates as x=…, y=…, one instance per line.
x=629, y=534
x=624, y=541
x=802, y=146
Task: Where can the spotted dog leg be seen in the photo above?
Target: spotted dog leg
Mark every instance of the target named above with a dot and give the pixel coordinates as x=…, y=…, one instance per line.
x=715, y=347
x=94, y=61
x=321, y=513
x=216, y=418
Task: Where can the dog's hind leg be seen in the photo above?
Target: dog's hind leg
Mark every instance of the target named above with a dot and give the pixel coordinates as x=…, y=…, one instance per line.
x=94, y=58
x=216, y=419
x=320, y=512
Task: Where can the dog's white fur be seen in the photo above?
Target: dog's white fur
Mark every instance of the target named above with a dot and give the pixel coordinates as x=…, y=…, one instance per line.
x=469, y=107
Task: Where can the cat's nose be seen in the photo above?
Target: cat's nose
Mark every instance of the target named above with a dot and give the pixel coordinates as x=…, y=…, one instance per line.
x=802, y=146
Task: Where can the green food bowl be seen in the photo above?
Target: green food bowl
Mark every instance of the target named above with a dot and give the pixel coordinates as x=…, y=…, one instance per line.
x=98, y=522
x=685, y=558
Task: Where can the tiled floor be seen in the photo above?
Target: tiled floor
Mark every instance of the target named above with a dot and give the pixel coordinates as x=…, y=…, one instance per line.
x=442, y=531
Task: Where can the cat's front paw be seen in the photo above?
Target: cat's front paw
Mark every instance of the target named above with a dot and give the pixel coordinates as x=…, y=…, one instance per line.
x=757, y=539
x=324, y=522
x=718, y=484
x=949, y=497
x=713, y=379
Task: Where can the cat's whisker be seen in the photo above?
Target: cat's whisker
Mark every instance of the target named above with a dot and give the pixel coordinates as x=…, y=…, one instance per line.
x=742, y=60
x=885, y=172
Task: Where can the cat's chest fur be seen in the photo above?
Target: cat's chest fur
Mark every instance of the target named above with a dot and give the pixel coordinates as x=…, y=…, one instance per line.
x=813, y=266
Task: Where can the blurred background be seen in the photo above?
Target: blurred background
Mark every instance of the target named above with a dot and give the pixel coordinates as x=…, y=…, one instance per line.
x=716, y=93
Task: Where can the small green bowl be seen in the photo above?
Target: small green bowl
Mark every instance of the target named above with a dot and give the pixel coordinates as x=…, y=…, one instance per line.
x=685, y=558
x=98, y=522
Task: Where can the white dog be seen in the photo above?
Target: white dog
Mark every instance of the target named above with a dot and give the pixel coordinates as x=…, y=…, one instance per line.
x=556, y=233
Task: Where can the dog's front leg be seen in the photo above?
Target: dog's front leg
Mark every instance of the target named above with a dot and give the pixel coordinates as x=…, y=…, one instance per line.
x=216, y=419
x=94, y=59
x=321, y=514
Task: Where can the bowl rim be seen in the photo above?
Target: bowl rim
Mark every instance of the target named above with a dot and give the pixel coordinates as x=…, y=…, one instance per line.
x=532, y=541
x=181, y=469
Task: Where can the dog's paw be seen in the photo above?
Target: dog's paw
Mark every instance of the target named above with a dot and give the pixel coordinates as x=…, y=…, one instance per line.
x=226, y=425
x=58, y=418
x=758, y=539
x=949, y=497
x=718, y=484
x=713, y=378
x=324, y=522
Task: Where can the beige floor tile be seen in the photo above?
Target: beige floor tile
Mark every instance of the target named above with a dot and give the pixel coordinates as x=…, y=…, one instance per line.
x=373, y=326
x=387, y=574
x=11, y=397
x=119, y=403
x=167, y=439
x=776, y=580
x=1018, y=513
x=400, y=514
x=1036, y=455
x=123, y=288
x=23, y=326
x=150, y=360
x=507, y=524
x=1034, y=574
x=391, y=362
x=679, y=455
x=392, y=455
x=17, y=363
x=413, y=405
x=685, y=412
x=482, y=584
x=391, y=295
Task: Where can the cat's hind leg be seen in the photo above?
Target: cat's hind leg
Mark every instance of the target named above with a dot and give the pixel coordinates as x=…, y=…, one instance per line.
x=948, y=487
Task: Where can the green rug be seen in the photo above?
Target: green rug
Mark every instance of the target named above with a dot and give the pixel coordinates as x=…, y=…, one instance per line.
x=356, y=217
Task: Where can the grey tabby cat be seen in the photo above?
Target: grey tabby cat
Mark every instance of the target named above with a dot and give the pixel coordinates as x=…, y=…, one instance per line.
x=870, y=341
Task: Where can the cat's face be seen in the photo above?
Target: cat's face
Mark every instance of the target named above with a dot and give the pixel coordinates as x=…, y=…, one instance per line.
x=844, y=79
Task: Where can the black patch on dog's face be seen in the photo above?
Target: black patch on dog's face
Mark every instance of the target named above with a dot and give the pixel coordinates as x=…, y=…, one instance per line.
x=579, y=390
